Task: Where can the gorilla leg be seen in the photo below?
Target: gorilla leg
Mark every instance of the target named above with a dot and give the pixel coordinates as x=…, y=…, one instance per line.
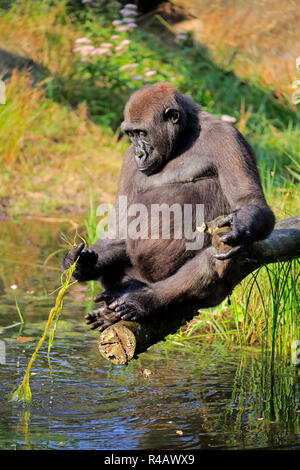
x=203, y=281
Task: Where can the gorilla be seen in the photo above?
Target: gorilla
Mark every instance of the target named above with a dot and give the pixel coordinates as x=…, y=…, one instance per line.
x=179, y=156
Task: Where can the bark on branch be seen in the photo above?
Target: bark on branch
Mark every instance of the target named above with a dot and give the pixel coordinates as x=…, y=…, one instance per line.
x=125, y=340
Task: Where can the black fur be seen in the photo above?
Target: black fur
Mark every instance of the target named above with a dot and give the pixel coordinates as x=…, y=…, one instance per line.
x=179, y=155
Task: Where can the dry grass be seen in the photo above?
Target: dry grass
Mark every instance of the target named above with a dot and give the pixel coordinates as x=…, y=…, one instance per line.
x=49, y=153
x=48, y=40
x=17, y=116
x=47, y=145
x=260, y=37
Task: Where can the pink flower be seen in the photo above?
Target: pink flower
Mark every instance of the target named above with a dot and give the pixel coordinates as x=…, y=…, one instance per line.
x=132, y=25
x=151, y=73
x=125, y=42
x=87, y=50
x=106, y=45
x=228, y=118
x=128, y=66
x=128, y=12
x=115, y=36
x=124, y=67
x=116, y=22
x=122, y=28
x=100, y=51
x=83, y=41
x=130, y=5
x=298, y=63
x=137, y=77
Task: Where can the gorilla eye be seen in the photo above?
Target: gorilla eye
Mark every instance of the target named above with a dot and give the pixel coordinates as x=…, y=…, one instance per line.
x=130, y=134
x=142, y=133
x=172, y=114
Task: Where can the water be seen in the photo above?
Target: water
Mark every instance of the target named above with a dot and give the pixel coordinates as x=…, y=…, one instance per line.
x=212, y=398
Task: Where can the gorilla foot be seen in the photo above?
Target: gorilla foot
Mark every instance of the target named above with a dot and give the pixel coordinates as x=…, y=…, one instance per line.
x=130, y=305
x=123, y=310
x=101, y=318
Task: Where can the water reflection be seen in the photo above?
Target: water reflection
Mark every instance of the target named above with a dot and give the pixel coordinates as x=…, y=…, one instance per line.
x=212, y=399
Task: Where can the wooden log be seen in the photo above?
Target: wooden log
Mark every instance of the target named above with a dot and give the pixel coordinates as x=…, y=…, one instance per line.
x=124, y=340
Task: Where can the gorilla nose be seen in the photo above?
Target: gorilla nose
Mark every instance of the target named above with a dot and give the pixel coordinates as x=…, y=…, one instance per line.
x=141, y=155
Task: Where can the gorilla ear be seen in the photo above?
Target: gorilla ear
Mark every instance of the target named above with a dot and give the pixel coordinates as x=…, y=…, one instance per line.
x=172, y=114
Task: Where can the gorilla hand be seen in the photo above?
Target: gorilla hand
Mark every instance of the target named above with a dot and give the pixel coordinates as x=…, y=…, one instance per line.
x=86, y=262
x=238, y=237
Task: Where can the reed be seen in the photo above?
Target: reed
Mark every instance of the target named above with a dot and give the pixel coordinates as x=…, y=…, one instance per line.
x=23, y=392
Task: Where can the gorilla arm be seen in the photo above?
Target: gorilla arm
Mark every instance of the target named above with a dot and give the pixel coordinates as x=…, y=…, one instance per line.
x=251, y=218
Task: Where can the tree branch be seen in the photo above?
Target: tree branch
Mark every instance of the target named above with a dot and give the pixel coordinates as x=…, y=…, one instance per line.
x=123, y=341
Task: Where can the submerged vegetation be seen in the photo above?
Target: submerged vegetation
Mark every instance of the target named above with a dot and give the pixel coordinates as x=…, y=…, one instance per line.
x=23, y=392
x=60, y=137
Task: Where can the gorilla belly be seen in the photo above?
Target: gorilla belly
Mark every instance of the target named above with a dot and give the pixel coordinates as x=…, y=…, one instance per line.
x=162, y=224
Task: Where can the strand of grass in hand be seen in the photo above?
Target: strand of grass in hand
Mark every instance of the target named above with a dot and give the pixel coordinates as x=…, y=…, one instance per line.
x=23, y=392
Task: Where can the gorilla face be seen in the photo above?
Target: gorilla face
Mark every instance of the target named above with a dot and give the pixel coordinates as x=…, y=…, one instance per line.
x=154, y=141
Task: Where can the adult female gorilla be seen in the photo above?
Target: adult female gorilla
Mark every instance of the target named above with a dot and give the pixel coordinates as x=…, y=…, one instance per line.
x=178, y=154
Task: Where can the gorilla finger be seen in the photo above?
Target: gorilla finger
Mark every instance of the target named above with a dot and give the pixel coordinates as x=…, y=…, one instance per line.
x=96, y=324
x=104, y=297
x=127, y=316
x=111, y=318
x=229, y=254
x=75, y=252
x=227, y=221
x=121, y=308
x=90, y=254
x=229, y=237
x=95, y=315
x=116, y=303
x=88, y=319
x=104, y=326
x=120, y=314
x=91, y=317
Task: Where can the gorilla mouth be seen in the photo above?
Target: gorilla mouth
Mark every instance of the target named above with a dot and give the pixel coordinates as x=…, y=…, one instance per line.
x=151, y=168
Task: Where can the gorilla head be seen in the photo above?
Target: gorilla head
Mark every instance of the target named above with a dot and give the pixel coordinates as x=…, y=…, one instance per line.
x=155, y=117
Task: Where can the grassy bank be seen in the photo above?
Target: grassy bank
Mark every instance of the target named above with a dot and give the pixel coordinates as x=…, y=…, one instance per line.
x=62, y=136
x=60, y=139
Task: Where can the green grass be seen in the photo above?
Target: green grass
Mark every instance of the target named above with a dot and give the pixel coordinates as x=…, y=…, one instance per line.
x=264, y=310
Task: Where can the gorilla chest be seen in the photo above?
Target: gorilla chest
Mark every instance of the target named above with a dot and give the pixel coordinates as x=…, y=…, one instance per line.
x=178, y=174
x=163, y=221
x=164, y=210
